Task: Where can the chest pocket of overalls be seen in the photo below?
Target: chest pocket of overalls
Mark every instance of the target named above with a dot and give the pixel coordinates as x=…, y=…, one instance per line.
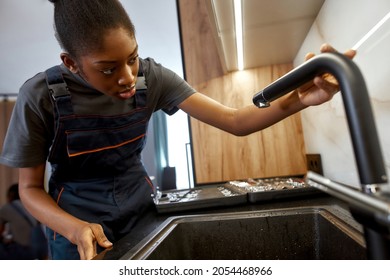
x=109, y=143
x=94, y=143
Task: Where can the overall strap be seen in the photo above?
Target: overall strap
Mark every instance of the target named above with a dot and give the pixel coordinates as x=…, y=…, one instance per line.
x=59, y=91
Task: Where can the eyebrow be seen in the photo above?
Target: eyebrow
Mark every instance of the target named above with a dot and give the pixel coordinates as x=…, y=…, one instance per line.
x=114, y=61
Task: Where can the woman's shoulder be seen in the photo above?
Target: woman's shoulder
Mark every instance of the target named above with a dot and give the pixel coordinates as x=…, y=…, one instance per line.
x=148, y=66
x=34, y=97
x=34, y=89
x=156, y=72
x=37, y=82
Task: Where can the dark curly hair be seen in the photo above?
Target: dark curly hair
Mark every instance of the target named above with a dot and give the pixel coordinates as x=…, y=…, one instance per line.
x=80, y=25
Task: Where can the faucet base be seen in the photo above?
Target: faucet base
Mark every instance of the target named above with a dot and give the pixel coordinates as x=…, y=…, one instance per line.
x=377, y=235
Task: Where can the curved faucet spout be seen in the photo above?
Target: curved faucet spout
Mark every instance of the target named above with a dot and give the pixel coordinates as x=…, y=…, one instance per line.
x=368, y=154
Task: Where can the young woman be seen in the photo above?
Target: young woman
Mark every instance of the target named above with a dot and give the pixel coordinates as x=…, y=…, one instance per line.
x=88, y=117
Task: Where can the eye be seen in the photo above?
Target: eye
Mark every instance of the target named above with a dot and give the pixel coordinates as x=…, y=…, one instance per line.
x=133, y=60
x=108, y=71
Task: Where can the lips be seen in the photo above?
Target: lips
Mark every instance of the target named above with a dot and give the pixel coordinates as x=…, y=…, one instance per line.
x=126, y=94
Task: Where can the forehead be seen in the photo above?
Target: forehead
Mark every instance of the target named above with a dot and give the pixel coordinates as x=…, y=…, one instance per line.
x=116, y=44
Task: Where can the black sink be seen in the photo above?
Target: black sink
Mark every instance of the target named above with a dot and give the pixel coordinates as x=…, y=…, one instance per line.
x=290, y=234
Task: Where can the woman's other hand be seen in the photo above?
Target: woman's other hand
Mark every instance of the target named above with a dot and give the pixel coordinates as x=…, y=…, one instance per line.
x=88, y=237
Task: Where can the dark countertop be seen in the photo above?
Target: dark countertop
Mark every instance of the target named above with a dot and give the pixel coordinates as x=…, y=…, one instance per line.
x=152, y=220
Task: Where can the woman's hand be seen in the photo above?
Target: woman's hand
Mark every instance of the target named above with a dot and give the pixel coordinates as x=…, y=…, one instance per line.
x=87, y=238
x=322, y=88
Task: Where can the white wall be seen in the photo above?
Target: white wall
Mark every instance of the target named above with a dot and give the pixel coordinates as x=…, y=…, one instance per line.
x=343, y=24
x=27, y=42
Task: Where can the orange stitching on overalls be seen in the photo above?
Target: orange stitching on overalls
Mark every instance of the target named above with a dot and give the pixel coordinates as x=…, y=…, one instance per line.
x=149, y=182
x=106, y=148
x=58, y=200
x=74, y=116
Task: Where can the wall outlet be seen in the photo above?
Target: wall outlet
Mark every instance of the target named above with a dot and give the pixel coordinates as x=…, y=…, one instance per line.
x=314, y=163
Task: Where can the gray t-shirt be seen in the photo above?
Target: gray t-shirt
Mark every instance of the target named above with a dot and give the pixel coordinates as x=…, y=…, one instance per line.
x=31, y=128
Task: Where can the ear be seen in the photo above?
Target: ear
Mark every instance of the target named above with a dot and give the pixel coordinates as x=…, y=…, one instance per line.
x=69, y=62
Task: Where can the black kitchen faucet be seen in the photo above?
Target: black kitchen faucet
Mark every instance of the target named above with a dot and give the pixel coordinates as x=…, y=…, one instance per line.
x=371, y=206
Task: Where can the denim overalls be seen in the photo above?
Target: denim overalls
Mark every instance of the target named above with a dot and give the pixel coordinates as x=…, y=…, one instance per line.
x=97, y=173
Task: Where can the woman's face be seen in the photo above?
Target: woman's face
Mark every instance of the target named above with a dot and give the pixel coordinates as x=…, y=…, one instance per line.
x=113, y=68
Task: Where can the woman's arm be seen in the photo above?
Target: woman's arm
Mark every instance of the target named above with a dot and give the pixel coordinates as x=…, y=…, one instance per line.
x=241, y=121
x=46, y=210
x=250, y=119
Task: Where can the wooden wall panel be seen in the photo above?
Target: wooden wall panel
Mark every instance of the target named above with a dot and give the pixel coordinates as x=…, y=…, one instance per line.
x=8, y=175
x=275, y=151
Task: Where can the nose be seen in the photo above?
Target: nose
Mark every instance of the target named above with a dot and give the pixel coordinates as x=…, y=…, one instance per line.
x=127, y=76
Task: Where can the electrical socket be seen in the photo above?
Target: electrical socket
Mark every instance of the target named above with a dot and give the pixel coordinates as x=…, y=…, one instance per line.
x=314, y=163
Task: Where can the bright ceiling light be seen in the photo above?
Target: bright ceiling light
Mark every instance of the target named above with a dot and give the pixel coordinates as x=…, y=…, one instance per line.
x=238, y=29
x=372, y=31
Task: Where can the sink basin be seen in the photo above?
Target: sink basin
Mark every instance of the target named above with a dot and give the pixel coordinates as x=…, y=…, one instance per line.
x=293, y=233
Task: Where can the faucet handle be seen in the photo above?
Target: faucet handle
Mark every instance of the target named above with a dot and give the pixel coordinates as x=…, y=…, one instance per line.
x=379, y=205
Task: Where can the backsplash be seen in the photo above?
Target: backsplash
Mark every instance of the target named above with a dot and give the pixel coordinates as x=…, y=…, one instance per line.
x=325, y=127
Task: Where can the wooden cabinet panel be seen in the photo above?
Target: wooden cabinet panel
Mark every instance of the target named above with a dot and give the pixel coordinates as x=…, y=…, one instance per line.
x=8, y=175
x=276, y=151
